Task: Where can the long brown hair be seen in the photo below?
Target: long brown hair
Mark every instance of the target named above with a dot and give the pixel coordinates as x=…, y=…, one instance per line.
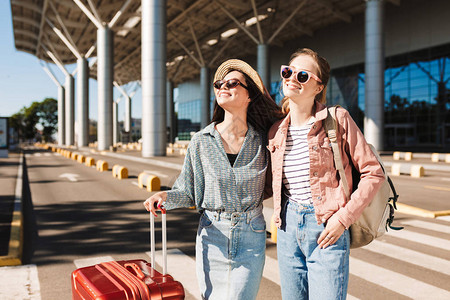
x=323, y=70
x=262, y=111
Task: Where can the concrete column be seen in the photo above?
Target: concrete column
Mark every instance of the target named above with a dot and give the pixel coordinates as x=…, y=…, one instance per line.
x=153, y=30
x=171, y=121
x=205, y=91
x=127, y=120
x=115, y=122
x=69, y=109
x=263, y=64
x=374, y=74
x=105, y=75
x=83, y=102
x=61, y=116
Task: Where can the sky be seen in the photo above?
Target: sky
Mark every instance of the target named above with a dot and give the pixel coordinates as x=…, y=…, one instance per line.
x=23, y=81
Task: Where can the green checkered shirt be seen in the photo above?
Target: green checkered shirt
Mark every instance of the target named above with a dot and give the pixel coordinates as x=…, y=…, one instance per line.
x=208, y=180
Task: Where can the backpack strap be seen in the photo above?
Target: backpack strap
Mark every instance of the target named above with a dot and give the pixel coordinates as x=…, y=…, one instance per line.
x=331, y=130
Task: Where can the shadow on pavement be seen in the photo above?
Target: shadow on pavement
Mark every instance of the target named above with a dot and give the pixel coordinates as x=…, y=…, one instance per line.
x=93, y=228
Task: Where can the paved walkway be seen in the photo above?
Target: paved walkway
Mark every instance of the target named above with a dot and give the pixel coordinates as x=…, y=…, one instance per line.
x=8, y=176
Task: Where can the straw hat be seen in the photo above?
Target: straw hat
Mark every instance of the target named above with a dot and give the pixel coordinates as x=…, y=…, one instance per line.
x=239, y=65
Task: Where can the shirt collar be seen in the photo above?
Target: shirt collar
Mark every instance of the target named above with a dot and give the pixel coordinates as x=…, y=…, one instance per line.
x=211, y=130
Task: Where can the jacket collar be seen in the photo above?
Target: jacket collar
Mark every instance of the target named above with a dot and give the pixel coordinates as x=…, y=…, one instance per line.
x=320, y=115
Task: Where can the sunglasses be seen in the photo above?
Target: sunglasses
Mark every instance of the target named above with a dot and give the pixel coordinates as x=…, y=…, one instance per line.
x=302, y=75
x=229, y=84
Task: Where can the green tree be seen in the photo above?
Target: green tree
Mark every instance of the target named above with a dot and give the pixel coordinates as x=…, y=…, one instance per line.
x=48, y=117
x=43, y=113
x=31, y=119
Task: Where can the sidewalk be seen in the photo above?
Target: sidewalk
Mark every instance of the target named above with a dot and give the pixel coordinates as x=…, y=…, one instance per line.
x=8, y=178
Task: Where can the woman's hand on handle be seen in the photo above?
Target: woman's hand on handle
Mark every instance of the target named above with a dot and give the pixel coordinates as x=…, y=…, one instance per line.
x=153, y=203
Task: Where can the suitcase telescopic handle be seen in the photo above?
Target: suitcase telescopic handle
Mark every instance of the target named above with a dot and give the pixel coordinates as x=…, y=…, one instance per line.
x=164, y=239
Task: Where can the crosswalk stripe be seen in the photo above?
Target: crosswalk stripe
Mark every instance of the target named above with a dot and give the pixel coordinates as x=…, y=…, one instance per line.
x=85, y=262
x=272, y=272
x=410, y=256
x=428, y=225
x=396, y=282
x=19, y=282
x=182, y=269
x=159, y=174
x=444, y=218
x=420, y=238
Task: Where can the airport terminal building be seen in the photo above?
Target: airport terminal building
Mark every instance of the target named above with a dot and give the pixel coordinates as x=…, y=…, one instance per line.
x=390, y=60
x=416, y=76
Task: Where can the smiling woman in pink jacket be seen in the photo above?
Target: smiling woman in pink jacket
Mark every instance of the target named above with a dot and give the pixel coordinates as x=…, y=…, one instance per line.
x=310, y=206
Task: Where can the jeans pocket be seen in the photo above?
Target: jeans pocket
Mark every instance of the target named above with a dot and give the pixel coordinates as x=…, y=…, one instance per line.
x=205, y=221
x=258, y=224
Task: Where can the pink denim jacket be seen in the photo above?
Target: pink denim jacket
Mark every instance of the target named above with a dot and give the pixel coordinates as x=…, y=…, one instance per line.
x=326, y=189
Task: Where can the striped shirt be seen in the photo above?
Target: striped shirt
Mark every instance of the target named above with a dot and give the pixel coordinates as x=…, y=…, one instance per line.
x=296, y=165
x=209, y=181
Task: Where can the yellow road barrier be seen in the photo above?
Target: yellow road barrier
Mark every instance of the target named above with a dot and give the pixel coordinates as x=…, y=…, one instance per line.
x=90, y=161
x=102, y=166
x=152, y=182
x=119, y=172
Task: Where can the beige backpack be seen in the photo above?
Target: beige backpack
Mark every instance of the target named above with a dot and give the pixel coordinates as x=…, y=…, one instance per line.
x=379, y=214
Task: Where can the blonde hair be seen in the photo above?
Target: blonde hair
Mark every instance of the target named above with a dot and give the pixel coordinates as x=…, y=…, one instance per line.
x=323, y=71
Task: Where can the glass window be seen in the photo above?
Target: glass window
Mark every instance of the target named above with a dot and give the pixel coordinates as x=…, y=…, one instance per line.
x=417, y=98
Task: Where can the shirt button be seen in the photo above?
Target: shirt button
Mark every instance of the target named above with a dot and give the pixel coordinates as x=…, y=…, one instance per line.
x=319, y=198
x=315, y=148
x=324, y=220
x=314, y=126
x=315, y=174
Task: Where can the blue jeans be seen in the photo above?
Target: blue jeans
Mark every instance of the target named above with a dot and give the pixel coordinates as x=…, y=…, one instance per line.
x=306, y=271
x=230, y=254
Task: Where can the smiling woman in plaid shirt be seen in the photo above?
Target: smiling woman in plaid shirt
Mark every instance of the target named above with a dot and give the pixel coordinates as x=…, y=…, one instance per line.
x=224, y=176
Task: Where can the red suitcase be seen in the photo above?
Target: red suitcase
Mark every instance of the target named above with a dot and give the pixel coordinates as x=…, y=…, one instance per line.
x=128, y=279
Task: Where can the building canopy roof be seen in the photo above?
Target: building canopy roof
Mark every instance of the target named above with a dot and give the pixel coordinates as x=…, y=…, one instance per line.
x=199, y=32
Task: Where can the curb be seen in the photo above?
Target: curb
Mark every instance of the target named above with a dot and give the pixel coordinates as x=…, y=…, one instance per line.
x=411, y=210
x=15, y=249
x=427, y=167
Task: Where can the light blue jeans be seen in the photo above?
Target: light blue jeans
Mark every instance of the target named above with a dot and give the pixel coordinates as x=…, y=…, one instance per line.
x=306, y=271
x=230, y=254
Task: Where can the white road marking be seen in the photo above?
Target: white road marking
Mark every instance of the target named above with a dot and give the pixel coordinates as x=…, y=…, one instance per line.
x=396, y=282
x=428, y=225
x=47, y=154
x=20, y=282
x=135, y=183
x=410, y=256
x=159, y=174
x=69, y=176
x=423, y=239
x=37, y=154
x=182, y=268
x=444, y=218
x=86, y=262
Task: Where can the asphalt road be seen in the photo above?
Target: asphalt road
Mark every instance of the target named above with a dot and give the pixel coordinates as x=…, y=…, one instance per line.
x=82, y=214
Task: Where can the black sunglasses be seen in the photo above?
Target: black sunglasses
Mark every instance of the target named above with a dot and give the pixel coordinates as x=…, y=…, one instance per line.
x=302, y=75
x=229, y=84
